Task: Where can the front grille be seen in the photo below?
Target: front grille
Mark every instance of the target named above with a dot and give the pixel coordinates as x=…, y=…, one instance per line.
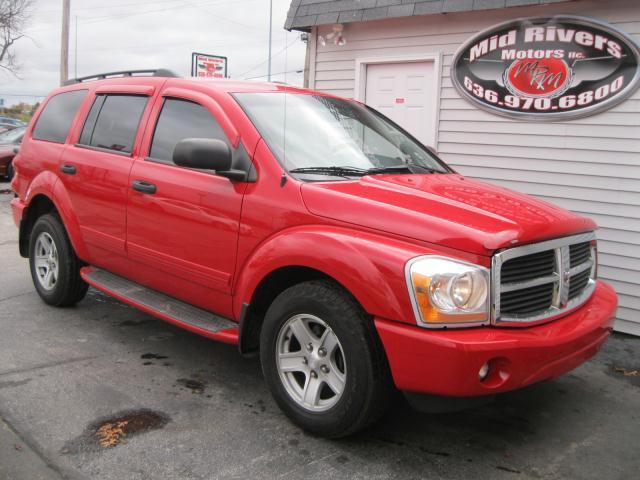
x=527, y=300
x=580, y=253
x=541, y=281
x=577, y=283
x=528, y=267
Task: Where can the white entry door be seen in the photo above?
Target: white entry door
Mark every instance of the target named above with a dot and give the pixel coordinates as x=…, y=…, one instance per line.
x=405, y=93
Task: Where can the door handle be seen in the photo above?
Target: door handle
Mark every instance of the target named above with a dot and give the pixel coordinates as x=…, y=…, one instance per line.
x=144, y=187
x=68, y=169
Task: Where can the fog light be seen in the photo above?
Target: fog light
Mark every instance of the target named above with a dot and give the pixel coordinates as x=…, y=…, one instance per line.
x=484, y=371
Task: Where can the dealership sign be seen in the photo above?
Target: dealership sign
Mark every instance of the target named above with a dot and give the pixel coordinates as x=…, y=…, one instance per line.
x=547, y=68
x=208, y=66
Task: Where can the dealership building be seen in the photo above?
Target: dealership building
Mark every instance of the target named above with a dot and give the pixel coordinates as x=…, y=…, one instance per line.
x=540, y=96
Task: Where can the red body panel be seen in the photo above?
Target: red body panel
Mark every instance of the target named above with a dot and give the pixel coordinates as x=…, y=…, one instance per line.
x=447, y=362
x=444, y=210
x=211, y=241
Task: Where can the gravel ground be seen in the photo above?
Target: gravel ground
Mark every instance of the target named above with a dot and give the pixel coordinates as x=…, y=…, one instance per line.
x=193, y=408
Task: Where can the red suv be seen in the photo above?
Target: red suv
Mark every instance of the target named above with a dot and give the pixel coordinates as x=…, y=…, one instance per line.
x=309, y=229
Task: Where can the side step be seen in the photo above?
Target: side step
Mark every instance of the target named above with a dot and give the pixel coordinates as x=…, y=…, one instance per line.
x=162, y=306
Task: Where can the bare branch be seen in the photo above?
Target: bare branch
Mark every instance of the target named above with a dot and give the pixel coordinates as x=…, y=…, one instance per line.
x=14, y=15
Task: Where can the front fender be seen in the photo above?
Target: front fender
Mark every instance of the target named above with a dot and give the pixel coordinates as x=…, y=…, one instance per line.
x=369, y=266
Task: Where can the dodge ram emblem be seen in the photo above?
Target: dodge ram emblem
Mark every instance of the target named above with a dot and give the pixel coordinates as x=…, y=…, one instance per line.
x=547, y=68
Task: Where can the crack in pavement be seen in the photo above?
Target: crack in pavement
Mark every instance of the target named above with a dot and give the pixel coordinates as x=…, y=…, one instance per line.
x=16, y=295
x=49, y=365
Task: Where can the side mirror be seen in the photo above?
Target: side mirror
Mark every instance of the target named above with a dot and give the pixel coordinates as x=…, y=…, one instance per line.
x=203, y=153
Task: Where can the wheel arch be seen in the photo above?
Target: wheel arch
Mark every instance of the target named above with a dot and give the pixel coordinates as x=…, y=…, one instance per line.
x=47, y=195
x=334, y=254
x=39, y=205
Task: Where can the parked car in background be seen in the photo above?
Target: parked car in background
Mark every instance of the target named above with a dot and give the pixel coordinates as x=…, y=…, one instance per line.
x=9, y=140
x=12, y=121
x=6, y=127
x=311, y=230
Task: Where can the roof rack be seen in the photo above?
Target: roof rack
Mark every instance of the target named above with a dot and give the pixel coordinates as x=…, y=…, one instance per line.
x=159, y=72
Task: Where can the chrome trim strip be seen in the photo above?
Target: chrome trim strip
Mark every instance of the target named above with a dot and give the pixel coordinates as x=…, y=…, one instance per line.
x=565, y=276
x=581, y=268
x=509, y=287
x=561, y=277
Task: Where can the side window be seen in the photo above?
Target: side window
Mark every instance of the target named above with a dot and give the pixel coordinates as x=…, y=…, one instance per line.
x=181, y=119
x=58, y=114
x=113, y=121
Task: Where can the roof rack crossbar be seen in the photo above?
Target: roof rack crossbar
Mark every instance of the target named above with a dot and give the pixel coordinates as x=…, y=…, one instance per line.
x=158, y=72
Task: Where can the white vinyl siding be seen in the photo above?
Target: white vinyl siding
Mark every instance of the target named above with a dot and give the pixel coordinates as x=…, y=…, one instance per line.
x=590, y=165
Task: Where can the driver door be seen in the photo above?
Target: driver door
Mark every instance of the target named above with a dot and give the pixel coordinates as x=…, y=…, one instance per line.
x=182, y=224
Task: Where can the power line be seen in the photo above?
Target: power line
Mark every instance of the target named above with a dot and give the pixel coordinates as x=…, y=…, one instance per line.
x=220, y=17
x=274, y=74
x=21, y=95
x=118, y=16
x=274, y=55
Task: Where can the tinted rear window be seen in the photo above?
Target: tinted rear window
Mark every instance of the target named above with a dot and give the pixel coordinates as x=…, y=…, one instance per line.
x=117, y=122
x=58, y=114
x=182, y=119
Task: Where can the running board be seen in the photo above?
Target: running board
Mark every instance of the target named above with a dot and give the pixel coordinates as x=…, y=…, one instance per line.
x=162, y=306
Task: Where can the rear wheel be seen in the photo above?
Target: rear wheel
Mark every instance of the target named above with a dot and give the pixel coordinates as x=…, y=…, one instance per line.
x=10, y=171
x=55, y=269
x=323, y=361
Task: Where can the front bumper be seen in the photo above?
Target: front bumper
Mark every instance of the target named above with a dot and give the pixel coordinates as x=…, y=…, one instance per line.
x=447, y=362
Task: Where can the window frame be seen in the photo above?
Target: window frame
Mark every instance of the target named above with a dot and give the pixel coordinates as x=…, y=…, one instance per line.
x=102, y=97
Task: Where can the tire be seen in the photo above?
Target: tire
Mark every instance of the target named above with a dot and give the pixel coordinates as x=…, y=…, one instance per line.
x=64, y=286
x=10, y=171
x=358, y=360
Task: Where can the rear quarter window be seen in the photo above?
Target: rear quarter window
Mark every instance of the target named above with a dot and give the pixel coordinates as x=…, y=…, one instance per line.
x=55, y=120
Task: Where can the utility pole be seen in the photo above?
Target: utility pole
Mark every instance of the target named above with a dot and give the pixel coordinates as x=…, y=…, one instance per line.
x=270, y=29
x=75, y=55
x=64, y=43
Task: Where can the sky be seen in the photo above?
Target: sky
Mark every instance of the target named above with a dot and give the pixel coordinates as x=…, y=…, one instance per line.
x=117, y=35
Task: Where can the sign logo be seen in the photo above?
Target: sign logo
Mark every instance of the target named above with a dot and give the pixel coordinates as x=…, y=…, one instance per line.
x=208, y=66
x=548, y=68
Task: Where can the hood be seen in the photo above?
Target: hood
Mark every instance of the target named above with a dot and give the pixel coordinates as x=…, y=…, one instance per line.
x=443, y=209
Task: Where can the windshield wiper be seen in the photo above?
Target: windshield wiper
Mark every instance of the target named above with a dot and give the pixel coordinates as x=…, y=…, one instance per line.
x=337, y=171
x=359, y=172
x=390, y=169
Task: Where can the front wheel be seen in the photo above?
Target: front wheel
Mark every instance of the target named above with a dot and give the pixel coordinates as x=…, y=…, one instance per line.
x=55, y=269
x=323, y=361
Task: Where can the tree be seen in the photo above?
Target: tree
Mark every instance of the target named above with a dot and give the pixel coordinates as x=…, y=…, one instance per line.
x=13, y=17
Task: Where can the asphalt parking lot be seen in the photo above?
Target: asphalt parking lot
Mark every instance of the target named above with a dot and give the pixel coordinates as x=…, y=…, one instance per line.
x=193, y=408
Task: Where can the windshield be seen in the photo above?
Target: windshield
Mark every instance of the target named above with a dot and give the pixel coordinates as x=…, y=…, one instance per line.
x=12, y=136
x=321, y=132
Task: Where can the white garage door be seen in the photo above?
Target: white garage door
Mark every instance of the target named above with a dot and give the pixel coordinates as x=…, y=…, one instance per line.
x=404, y=93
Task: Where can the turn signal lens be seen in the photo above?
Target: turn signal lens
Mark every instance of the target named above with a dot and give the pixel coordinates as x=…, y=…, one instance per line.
x=445, y=291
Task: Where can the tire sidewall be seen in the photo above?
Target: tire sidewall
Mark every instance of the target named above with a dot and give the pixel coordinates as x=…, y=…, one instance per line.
x=51, y=224
x=357, y=357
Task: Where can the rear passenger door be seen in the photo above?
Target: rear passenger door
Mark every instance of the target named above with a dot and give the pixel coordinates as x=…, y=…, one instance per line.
x=95, y=172
x=182, y=232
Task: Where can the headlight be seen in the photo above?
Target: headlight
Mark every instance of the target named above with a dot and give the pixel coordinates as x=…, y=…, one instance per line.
x=445, y=291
